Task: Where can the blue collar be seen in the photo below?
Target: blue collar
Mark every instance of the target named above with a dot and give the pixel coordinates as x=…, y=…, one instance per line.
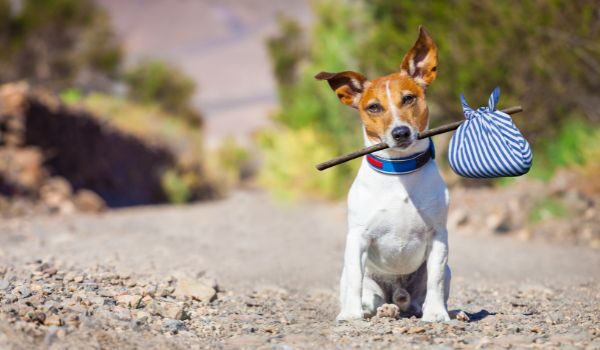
x=399, y=166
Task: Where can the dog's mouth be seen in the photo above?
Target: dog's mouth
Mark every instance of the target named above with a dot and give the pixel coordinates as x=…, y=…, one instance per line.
x=402, y=144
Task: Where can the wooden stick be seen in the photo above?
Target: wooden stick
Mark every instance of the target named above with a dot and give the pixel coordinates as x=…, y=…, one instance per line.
x=381, y=146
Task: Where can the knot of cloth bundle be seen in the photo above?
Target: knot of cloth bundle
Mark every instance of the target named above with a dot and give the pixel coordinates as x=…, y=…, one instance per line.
x=488, y=144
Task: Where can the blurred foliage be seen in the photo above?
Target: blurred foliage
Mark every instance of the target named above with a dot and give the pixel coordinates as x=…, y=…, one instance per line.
x=154, y=81
x=548, y=208
x=577, y=146
x=319, y=126
x=289, y=160
x=176, y=186
x=233, y=161
x=69, y=45
x=545, y=55
x=58, y=43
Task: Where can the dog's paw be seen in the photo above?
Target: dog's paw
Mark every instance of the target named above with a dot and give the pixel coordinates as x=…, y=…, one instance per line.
x=388, y=310
x=346, y=316
x=435, y=315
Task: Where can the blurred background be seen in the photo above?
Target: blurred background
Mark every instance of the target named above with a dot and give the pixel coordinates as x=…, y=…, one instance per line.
x=107, y=104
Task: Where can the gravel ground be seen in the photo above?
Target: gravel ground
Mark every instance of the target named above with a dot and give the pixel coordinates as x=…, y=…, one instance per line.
x=246, y=273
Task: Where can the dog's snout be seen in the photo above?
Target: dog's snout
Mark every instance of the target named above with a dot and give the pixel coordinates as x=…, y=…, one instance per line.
x=401, y=133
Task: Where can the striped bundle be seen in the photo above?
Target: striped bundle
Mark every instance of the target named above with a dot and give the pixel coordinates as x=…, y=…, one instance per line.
x=488, y=144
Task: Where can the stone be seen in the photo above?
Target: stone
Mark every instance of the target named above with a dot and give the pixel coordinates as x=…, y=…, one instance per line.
x=196, y=289
x=132, y=301
x=175, y=311
x=88, y=201
x=53, y=320
x=415, y=330
x=462, y=316
x=24, y=292
x=122, y=313
x=4, y=284
x=173, y=326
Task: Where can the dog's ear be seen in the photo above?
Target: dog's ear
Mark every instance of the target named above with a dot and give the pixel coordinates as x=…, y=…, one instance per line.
x=348, y=85
x=421, y=61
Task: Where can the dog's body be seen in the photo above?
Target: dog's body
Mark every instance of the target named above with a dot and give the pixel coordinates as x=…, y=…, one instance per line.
x=396, y=248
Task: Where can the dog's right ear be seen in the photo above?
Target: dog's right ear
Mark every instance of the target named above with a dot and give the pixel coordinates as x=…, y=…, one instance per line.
x=348, y=85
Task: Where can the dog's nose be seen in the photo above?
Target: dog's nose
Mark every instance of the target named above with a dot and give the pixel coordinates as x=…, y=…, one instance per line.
x=400, y=133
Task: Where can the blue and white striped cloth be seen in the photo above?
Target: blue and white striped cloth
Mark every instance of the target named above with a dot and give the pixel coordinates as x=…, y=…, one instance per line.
x=488, y=144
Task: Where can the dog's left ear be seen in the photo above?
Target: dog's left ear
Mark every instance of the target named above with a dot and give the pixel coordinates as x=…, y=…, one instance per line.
x=348, y=85
x=421, y=61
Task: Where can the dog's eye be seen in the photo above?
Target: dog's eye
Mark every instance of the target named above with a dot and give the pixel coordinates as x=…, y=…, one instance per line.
x=374, y=108
x=408, y=99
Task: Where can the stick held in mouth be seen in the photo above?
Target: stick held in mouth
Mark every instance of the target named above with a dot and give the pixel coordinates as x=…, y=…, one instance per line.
x=380, y=146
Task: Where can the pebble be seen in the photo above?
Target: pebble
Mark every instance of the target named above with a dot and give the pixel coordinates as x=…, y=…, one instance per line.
x=416, y=330
x=174, y=311
x=196, y=289
x=24, y=292
x=53, y=320
x=4, y=284
x=462, y=316
x=53, y=312
x=174, y=326
x=132, y=301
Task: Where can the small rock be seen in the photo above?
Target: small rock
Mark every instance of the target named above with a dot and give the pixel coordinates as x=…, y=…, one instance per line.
x=24, y=292
x=50, y=271
x=39, y=316
x=399, y=330
x=88, y=201
x=107, y=293
x=536, y=329
x=132, y=301
x=175, y=311
x=195, y=289
x=173, y=326
x=96, y=300
x=462, y=316
x=415, y=330
x=53, y=320
x=78, y=279
x=122, y=313
x=4, y=284
x=147, y=300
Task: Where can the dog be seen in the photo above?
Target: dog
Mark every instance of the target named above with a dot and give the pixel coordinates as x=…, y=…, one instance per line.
x=397, y=243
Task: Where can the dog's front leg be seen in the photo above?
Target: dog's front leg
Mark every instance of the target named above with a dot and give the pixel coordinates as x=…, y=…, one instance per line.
x=352, y=277
x=434, y=307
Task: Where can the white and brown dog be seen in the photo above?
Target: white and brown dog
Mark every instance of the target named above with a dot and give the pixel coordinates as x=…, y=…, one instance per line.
x=397, y=244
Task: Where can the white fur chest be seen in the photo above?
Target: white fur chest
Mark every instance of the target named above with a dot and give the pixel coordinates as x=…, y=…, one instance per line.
x=397, y=215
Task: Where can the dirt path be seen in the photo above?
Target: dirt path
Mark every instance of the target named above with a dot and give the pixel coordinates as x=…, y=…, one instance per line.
x=277, y=269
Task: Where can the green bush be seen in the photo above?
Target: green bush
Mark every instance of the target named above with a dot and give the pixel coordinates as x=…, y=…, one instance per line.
x=547, y=208
x=289, y=165
x=176, y=188
x=233, y=162
x=576, y=145
x=154, y=81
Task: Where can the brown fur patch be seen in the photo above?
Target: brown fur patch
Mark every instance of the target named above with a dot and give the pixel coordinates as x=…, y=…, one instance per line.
x=415, y=114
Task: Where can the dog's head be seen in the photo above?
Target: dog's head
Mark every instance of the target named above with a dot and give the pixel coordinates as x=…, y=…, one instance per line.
x=392, y=108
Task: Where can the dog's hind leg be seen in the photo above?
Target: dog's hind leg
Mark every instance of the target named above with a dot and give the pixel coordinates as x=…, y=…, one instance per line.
x=373, y=296
x=417, y=288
